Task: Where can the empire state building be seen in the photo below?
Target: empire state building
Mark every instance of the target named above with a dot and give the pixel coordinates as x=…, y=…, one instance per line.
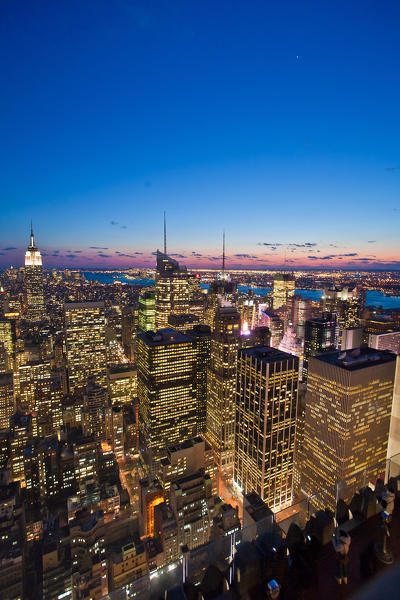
x=35, y=309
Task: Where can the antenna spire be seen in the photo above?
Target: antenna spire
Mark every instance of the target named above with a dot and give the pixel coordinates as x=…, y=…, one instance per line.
x=223, y=252
x=32, y=240
x=165, y=232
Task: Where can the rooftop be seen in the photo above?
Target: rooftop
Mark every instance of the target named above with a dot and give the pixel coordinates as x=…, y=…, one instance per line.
x=266, y=354
x=164, y=337
x=358, y=358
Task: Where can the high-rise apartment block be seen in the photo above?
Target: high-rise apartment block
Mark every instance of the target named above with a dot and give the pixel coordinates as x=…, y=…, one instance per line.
x=347, y=418
x=7, y=405
x=86, y=343
x=385, y=341
x=167, y=390
x=266, y=406
x=221, y=384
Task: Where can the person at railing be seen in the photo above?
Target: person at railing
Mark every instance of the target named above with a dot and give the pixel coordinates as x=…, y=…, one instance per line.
x=341, y=543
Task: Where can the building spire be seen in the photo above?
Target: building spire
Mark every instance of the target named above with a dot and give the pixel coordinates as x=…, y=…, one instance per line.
x=165, y=233
x=223, y=252
x=32, y=238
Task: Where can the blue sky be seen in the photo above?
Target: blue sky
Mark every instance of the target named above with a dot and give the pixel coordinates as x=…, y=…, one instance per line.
x=277, y=121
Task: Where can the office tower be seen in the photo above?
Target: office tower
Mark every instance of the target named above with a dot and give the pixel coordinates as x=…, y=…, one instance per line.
x=7, y=345
x=13, y=560
x=298, y=312
x=86, y=459
x=284, y=284
x=122, y=383
x=347, y=419
x=150, y=494
x=183, y=322
x=275, y=326
x=187, y=458
x=127, y=563
x=291, y=344
x=320, y=336
x=27, y=381
x=192, y=503
x=221, y=387
x=167, y=390
x=130, y=316
x=33, y=278
x=197, y=301
x=96, y=410
x=7, y=405
x=202, y=338
x=117, y=418
x=20, y=434
x=394, y=433
x=47, y=406
x=351, y=338
x=347, y=302
x=385, y=341
x=172, y=289
x=266, y=405
x=147, y=311
x=85, y=343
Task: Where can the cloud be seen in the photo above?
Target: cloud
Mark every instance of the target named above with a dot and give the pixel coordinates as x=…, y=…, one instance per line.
x=178, y=255
x=138, y=252
x=293, y=245
x=77, y=251
x=127, y=255
x=371, y=242
x=244, y=256
x=114, y=223
x=70, y=256
x=330, y=256
x=97, y=248
x=56, y=251
x=2, y=253
x=392, y=169
x=10, y=248
x=104, y=255
x=196, y=254
x=124, y=227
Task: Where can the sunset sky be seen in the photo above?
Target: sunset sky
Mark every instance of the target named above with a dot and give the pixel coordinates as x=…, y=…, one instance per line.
x=276, y=121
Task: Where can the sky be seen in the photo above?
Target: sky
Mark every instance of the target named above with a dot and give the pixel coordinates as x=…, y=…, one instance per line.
x=277, y=122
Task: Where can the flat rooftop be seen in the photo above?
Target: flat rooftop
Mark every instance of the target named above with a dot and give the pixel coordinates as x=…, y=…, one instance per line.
x=266, y=354
x=164, y=337
x=358, y=358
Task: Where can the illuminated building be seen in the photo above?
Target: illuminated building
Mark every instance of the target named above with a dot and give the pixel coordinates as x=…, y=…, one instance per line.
x=117, y=417
x=127, y=564
x=266, y=405
x=394, y=433
x=26, y=381
x=202, y=338
x=150, y=494
x=351, y=338
x=130, y=318
x=192, y=503
x=346, y=302
x=88, y=556
x=85, y=342
x=147, y=311
x=20, y=434
x=172, y=289
x=33, y=277
x=226, y=522
x=284, y=285
x=221, y=386
x=7, y=405
x=385, y=341
x=167, y=390
x=320, y=336
x=298, y=312
x=86, y=459
x=183, y=322
x=347, y=419
x=291, y=344
x=96, y=410
x=7, y=345
x=197, y=298
x=275, y=326
x=187, y=458
x=166, y=532
x=122, y=383
x=47, y=405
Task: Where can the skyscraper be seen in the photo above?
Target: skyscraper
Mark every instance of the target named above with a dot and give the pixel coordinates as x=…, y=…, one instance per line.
x=320, y=336
x=86, y=343
x=172, y=289
x=167, y=390
x=221, y=387
x=147, y=311
x=298, y=312
x=7, y=404
x=202, y=336
x=284, y=284
x=266, y=404
x=33, y=277
x=347, y=419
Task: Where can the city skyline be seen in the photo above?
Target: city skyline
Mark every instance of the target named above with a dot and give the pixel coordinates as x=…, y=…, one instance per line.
x=277, y=124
